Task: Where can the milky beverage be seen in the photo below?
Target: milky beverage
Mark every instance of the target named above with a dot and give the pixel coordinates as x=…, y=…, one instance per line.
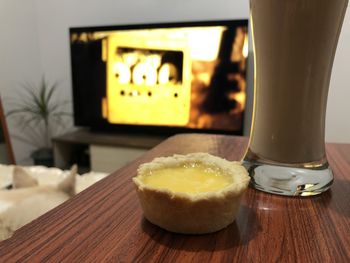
x=295, y=43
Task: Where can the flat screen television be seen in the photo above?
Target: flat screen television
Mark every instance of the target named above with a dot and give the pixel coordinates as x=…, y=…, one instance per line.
x=160, y=78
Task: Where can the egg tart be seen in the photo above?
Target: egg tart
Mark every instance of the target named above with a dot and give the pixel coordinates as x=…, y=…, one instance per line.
x=192, y=194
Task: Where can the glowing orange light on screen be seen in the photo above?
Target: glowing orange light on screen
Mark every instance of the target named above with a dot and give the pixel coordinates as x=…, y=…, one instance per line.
x=140, y=88
x=143, y=88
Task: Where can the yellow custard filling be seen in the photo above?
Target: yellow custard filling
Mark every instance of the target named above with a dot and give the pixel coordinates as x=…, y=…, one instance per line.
x=188, y=179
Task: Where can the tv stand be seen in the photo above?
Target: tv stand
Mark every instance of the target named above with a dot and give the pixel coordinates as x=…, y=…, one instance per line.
x=101, y=152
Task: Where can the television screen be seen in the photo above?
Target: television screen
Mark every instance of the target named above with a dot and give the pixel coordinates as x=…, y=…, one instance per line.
x=161, y=77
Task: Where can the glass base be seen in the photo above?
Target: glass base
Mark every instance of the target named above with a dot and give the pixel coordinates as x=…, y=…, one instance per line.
x=289, y=181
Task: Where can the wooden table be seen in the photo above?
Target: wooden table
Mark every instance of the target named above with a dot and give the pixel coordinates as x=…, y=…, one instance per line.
x=105, y=223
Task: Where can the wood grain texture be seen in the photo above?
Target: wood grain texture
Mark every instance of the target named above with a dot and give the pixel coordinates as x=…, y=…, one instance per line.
x=105, y=223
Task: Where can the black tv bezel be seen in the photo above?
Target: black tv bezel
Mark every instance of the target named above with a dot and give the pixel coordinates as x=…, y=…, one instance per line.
x=157, y=130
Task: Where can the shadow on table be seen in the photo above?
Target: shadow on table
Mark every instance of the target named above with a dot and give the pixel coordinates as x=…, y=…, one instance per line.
x=240, y=232
x=339, y=196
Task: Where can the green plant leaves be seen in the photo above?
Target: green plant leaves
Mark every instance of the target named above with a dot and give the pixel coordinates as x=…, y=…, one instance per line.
x=38, y=112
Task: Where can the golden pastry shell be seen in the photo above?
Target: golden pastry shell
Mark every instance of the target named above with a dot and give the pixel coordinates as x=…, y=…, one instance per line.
x=192, y=213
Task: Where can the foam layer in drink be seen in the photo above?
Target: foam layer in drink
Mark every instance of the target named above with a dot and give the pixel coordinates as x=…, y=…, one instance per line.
x=295, y=43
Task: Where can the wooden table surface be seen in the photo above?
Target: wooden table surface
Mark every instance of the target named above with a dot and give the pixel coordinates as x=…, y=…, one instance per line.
x=105, y=222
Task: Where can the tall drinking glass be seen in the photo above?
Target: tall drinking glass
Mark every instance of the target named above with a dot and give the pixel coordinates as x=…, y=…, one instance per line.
x=294, y=46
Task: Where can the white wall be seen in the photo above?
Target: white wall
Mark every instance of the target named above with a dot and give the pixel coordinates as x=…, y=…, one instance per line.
x=19, y=57
x=338, y=108
x=43, y=26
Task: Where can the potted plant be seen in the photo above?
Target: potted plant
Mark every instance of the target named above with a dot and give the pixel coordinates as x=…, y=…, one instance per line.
x=40, y=115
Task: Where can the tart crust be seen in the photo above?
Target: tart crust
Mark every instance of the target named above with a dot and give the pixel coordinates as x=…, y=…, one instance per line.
x=192, y=213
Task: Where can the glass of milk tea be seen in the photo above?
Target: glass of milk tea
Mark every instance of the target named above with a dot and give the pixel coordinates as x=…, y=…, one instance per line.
x=294, y=46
